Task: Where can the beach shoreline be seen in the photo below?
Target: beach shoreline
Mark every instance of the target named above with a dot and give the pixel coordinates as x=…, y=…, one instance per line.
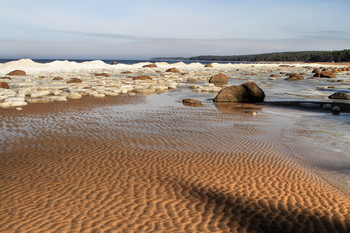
x=144, y=162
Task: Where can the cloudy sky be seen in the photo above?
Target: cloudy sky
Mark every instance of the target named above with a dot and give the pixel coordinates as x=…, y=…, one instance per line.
x=140, y=29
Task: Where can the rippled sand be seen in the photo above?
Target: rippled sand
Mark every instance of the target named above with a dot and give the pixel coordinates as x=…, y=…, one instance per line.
x=123, y=164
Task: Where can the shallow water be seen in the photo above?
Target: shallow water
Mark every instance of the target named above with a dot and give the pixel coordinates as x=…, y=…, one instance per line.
x=153, y=164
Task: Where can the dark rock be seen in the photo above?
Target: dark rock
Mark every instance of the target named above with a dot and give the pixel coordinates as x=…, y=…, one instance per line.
x=75, y=80
x=114, y=63
x=325, y=74
x=336, y=110
x=340, y=95
x=247, y=92
x=17, y=73
x=255, y=93
x=57, y=78
x=208, y=65
x=192, y=102
x=102, y=74
x=275, y=75
x=232, y=94
x=173, y=70
x=150, y=66
x=4, y=85
x=219, y=78
x=294, y=77
x=191, y=80
x=126, y=72
x=142, y=77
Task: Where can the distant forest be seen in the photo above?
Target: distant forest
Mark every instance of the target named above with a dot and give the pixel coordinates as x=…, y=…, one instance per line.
x=303, y=56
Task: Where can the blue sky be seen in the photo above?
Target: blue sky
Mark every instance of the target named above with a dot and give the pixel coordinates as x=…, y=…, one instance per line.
x=140, y=29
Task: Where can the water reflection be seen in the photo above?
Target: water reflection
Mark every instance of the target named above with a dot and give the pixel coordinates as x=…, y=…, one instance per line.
x=232, y=107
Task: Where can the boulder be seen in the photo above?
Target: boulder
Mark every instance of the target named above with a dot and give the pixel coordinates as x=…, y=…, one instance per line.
x=192, y=80
x=75, y=80
x=57, y=78
x=4, y=85
x=275, y=75
x=173, y=70
x=247, y=92
x=102, y=74
x=219, y=78
x=255, y=93
x=208, y=65
x=325, y=74
x=232, y=94
x=294, y=77
x=192, y=102
x=142, y=77
x=340, y=95
x=150, y=66
x=17, y=73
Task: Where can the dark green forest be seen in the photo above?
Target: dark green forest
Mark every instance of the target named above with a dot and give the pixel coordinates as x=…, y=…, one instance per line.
x=303, y=56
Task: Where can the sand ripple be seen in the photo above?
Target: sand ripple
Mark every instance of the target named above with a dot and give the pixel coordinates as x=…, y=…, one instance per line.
x=129, y=168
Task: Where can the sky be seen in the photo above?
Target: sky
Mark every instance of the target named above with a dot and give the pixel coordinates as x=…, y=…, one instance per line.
x=141, y=29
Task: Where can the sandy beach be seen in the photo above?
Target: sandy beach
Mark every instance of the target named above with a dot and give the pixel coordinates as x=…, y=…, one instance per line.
x=141, y=161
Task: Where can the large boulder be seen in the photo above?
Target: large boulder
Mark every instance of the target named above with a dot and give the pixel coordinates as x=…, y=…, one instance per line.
x=247, y=92
x=340, y=95
x=255, y=93
x=219, y=79
x=17, y=73
x=232, y=94
x=4, y=85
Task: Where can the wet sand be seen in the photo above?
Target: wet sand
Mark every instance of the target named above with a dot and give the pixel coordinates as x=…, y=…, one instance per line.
x=123, y=164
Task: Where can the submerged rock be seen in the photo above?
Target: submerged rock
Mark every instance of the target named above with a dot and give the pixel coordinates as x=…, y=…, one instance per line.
x=192, y=102
x=336, y=110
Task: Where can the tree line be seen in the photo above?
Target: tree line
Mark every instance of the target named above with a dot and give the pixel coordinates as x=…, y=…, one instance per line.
x=302, y=56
